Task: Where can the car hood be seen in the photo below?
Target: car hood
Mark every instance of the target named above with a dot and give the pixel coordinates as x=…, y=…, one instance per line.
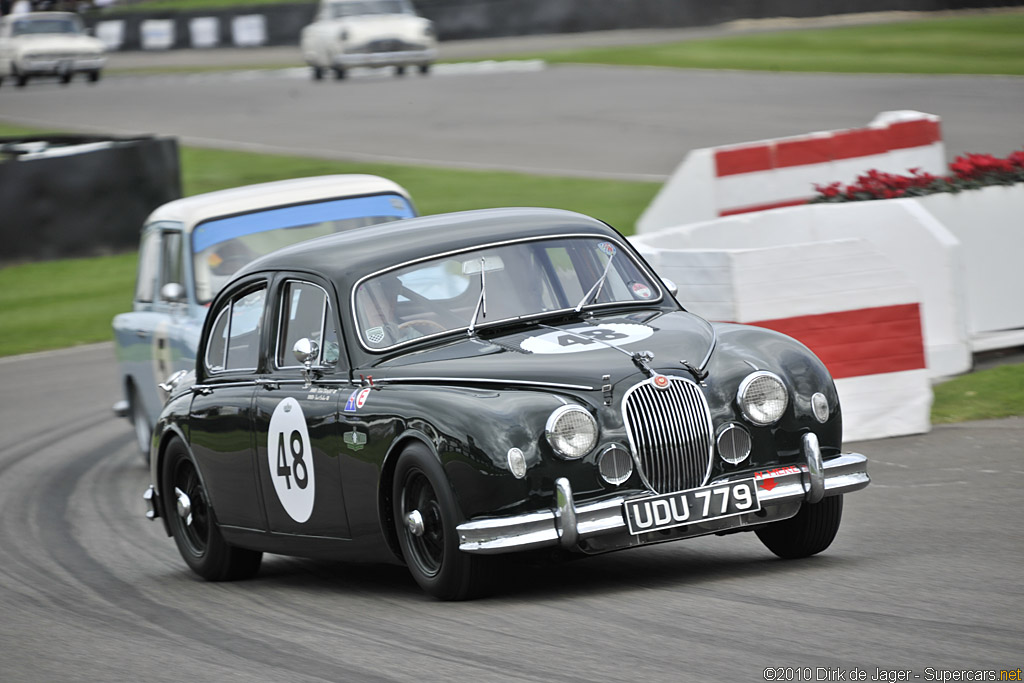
x=57, y=43
x=577, y=354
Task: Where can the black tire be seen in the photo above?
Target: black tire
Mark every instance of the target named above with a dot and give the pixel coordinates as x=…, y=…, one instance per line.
x=198, y=539
x=318, y=73
x=20, y=79
x=433, y=556
x=339, y=74
x=424, y=69
x=140, y=423
x=65, y=77
x=94, y=76
x=808, y=533
x=399, y=70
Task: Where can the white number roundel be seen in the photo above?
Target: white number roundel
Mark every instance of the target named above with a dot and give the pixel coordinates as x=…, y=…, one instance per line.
x=290, y=458
x=587, y=338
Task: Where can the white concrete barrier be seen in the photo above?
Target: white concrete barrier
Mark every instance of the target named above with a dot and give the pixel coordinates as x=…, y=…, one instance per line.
x=204, y=31
x=989, y=224
x=843, y=299
x=755, y=176
x=910, y=237
x=157, y=34
x=249, y=30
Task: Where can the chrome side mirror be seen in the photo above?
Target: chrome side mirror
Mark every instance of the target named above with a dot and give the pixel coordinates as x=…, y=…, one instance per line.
x=173, y=292
x=306, y=351
x=670, y=286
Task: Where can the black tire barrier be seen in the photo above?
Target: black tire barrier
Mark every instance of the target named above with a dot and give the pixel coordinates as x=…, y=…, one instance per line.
x=84, y=202
x=465, y=19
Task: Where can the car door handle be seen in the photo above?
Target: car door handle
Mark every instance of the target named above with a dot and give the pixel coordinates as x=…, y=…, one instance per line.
x=142, y=334
x=267, y=384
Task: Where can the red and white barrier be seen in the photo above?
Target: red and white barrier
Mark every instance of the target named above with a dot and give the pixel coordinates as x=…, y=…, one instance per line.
x=909, y=237
x=842, y=298
x=755, y=176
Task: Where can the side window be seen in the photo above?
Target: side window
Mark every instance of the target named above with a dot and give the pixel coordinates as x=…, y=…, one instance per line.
x=306, y=313
x=149, y=259
x=234, y=342
x=171, y=259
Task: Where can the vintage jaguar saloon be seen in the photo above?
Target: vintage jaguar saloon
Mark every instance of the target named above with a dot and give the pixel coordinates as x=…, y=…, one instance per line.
x=440, y=391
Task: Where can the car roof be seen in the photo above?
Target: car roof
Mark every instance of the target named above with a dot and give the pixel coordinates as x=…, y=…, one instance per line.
x=191, y=211
x=346, y=256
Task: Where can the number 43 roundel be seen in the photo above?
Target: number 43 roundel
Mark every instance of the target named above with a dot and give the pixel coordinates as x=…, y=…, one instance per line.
x=291, y=460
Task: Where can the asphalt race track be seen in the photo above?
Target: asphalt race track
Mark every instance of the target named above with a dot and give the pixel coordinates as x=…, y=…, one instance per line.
x=924, y=573
x=575, y=120
x=924, y=576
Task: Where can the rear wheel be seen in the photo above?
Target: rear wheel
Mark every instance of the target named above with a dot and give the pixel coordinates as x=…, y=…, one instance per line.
x=339, y=73
x=193, y=525
x=807, y=533
x=317, y=72
x=424, y=69
x=94, y=76
x=399, y=70
x=426, y=517
x=20, y=79
x=65, y=78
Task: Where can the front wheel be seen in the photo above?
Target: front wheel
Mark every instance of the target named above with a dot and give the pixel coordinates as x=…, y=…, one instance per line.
x=94, y=76
x=193, y=525
x=426, y=518
x=807, y=533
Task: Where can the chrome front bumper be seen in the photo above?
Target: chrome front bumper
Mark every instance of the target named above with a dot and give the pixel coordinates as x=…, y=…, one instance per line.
x=601, y=526
x=401, y=58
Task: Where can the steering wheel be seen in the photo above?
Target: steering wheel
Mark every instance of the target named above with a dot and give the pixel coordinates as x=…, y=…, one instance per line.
x=433, y=325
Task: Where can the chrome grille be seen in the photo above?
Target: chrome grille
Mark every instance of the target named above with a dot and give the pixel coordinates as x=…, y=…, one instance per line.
x=670, y=432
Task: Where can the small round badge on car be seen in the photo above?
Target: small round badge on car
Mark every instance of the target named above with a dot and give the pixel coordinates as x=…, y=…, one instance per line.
x=661, y=381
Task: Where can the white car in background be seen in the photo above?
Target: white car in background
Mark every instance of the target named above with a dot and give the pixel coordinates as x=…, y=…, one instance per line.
x=373, y=33
x=48, y=44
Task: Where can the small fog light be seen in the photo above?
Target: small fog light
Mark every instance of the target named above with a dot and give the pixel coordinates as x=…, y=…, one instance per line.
x=615, y=465
x=733, y=443
x=516, y=463
x=819, y=404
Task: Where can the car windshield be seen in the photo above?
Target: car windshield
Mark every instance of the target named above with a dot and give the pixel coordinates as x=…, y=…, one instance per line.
x=511, y=281
x=355, y=8
x=222, y=246
x=24, y=27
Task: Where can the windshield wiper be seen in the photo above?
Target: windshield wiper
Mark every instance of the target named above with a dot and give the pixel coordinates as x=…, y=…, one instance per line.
x=481, y=303
x=595, y=291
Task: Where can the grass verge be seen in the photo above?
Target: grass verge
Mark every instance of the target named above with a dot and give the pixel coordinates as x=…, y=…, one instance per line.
x=56, y=304
x=986, y=394
x=982, y=44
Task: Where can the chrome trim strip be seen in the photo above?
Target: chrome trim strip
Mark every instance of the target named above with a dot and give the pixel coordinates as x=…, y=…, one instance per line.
x=843, y=474
x=484, y=380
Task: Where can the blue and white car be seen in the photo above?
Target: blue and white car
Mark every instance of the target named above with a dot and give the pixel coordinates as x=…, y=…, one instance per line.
x=191, y=247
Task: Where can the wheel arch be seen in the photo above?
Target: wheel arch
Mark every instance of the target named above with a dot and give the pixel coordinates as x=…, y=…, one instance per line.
x=385, y=484
x=171, y=433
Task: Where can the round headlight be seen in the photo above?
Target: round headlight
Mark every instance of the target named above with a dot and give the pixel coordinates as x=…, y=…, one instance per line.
x=762, y=397
x=571, y=431
x=819, y=404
